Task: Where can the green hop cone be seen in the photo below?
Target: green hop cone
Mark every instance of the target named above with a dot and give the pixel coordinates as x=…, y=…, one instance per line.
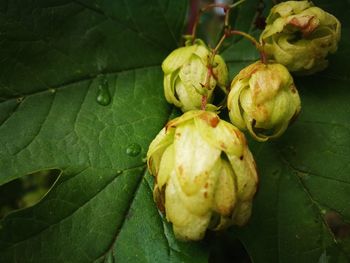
x=186, y=75
x=205, y=175
x=300, y=36
x=264, y=100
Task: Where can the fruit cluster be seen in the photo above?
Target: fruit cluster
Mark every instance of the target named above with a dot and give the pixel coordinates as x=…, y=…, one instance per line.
x=205, y=174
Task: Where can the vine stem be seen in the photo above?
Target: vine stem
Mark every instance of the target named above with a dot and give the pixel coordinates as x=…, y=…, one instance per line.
x=210, y=72
x=204, y=102
x=227, y=33
x=225, y=7
x=259, y=46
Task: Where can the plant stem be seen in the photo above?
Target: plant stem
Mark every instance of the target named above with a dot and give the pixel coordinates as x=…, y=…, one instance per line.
x=201, y=11
x=218, y=45
x=204, y=102
x=228, y=32
x=258, y=46
x=225, y=7
x=236, y=4
x=194, y=6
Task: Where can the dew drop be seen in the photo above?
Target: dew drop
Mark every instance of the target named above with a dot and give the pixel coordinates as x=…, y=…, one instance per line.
x=103, y=95
x=133, y=149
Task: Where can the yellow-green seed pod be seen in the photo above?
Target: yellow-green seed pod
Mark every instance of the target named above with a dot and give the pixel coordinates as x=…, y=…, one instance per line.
x=264, y=100
x=300, y=36
x=205, y=175
x=186, y=75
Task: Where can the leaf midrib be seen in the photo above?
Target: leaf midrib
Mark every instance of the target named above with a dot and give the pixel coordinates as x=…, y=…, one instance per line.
x=130, y=203
x=88, y=77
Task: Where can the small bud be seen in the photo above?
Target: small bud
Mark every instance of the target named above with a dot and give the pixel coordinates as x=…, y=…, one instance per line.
x=186, y=76
x=205, y=175
x=264, y=100
x=300, y=36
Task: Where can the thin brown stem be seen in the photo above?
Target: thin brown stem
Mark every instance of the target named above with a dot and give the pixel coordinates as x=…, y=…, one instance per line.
x=218, y=45
x=263, y=57
x=227, y=33
x=225, y=7
x=227, y=19
x=204, y=102
x=193, y=12
x=210, y=72
x=201, y=11
x=258, y=45
x=237, y=4
x=247, y=36
x=195, y=25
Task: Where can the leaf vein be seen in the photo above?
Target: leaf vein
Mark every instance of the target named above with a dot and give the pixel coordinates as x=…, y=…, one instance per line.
x=130, y=203
x=313, y=202
x=14, y=109
x=86, y=78
x=38, y=131
x=137, y=31
x=166, y=22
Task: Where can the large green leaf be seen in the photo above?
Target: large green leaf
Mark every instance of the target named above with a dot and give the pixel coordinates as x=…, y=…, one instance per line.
x=55, y=57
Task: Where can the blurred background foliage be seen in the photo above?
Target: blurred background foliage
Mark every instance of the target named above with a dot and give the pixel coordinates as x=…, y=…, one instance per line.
x=26, y=191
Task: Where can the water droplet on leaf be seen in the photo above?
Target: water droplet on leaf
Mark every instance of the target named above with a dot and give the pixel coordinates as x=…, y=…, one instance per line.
x=103, y=95
x=133, y=149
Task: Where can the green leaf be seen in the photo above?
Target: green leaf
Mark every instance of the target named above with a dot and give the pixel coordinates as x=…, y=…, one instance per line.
x=58, y=56
x=57, y=59
x=302, y=210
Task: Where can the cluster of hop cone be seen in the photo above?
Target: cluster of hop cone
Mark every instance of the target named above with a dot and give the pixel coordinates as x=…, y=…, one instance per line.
x=205, y=174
